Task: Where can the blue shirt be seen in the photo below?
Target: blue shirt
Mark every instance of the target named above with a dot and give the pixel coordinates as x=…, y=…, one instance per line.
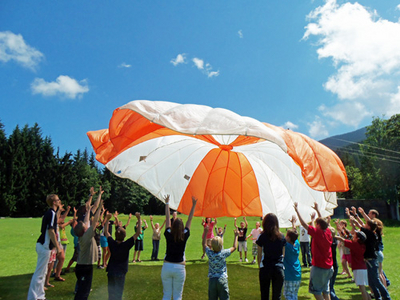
x=217, y=263
x=291, y=262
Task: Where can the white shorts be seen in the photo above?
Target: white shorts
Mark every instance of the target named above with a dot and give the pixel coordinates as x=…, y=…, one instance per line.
x=242, y=246
x=360, y=277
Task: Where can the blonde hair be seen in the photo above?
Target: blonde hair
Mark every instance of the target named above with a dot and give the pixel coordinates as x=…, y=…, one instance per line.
x=50, y=199
x=216, y=244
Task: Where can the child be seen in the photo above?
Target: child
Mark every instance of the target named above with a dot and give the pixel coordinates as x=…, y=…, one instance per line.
x=357, y=250
x=217, y=272
x=242, y=243
x=322, y=262
x=255, y=233
x=346, y=257
x=292, y=263
x=76, y=244
x=118, y=223
x=220, y=232
x=118, y=264
x=208, y=222
x=156, y=238
x=305, y=247
x=139, y=242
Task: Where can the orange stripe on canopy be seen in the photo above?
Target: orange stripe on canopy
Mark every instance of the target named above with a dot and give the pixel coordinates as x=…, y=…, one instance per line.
x=127, y=128
x=321, y=168
x=225, y=185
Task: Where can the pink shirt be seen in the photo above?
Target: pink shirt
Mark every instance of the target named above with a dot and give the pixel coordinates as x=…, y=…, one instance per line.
x=210, y=233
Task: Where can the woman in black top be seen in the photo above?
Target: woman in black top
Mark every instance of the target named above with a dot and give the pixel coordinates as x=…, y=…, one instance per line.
x=271, y=249
x=173, y=273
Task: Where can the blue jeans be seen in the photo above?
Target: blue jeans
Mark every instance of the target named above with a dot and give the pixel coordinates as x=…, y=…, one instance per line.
x=116, y=282
x=84, y=275
x=276, y=276
x=332, y=283
x=154, y=254
x=305, y=253
x=375, y=283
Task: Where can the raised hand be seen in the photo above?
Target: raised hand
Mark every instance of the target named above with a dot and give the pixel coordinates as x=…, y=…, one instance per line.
x=166, y=199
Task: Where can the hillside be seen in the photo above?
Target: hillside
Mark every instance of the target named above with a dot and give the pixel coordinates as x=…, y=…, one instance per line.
x=342, y=140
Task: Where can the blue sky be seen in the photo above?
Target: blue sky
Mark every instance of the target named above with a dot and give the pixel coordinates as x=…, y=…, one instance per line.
x=318, y=67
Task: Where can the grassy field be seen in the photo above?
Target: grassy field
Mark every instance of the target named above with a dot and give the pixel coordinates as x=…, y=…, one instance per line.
x=143, y=281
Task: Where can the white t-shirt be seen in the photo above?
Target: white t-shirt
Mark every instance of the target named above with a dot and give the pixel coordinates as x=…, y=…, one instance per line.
x=256, y=233
x=304, y=236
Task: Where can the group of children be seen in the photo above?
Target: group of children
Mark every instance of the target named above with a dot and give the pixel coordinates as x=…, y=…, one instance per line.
x=277, y=255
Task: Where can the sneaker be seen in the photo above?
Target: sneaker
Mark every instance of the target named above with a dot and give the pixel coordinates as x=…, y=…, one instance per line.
x=100, y=267
x=246, y=260
x=240, y=260
x=253, y=262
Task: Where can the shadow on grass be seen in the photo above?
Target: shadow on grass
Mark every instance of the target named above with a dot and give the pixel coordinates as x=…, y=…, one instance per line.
x=143, y=281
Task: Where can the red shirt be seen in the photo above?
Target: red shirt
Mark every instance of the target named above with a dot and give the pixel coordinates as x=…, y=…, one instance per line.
x=321, y=247
x=357, y=255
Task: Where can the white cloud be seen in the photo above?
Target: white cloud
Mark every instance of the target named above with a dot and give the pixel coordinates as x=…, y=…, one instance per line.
x=64, y=86
x=317, y=129
x=213, y=74
x=290, y=125
x=180, y=59
x=124, y=65
x=199, y=63
x=240, y=33
x=13, y=47
x=364, y=49
x=398, y=7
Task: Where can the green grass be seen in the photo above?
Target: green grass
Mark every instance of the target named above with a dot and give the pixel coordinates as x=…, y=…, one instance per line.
x=143, y=281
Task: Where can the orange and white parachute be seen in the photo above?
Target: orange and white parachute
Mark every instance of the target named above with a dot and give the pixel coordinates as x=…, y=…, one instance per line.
x=235, y=165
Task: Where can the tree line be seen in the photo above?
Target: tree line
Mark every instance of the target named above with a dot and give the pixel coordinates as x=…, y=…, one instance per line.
x=31, y=168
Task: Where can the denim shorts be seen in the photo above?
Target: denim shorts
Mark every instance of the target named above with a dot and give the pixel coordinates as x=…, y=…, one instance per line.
x=319, y=280
x=379, y=255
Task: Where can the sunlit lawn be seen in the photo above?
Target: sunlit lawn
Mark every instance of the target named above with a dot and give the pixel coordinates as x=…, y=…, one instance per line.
x=143, y=281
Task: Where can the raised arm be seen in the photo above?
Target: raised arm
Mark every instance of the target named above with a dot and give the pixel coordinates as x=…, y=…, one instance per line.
x=235, y=241
x=162, y=225
x=245, y=222
x=145, y=224
x=215, y=221
x=96, y=217
x=364, y=215
x=317, y=209
x=293, y=221
x=151, y=222
x=234, y=223
x=106, y=220
x=129, y=220
x=116, y=218
x=167, y=220
x=97, y=202
x=302, y=222
x=189, y=221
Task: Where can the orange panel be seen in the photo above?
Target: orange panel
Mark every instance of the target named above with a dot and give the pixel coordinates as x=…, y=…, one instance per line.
x=225, y=184
x=321, y=168
x=127, y=129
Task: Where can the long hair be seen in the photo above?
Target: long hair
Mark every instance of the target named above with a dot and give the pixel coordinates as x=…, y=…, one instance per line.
x=379, y=226
x=177, y=230
x=270, y=225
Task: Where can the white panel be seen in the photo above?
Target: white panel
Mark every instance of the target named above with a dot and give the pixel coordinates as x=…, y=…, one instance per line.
x=280, y=182
x=162, y=165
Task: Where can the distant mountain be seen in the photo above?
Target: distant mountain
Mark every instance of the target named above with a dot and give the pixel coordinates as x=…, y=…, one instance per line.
x=342, y=140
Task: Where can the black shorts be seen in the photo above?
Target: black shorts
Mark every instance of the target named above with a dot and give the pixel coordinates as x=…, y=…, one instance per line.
x=139, y=245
